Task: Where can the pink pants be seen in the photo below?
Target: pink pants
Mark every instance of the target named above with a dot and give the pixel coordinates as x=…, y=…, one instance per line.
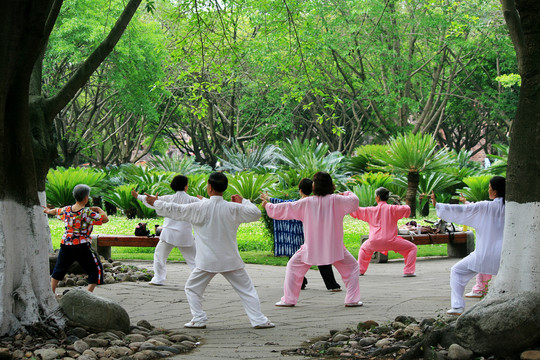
x=296, y=269
x=403, y=247
x=481, y=285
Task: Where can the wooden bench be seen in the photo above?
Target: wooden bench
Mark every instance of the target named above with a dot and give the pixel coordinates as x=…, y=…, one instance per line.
x=459, y=244
x=102, y=242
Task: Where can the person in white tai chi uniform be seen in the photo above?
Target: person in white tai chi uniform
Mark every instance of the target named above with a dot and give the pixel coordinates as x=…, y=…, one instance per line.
x=177, y=234
x=487, y=217
x=215, y=222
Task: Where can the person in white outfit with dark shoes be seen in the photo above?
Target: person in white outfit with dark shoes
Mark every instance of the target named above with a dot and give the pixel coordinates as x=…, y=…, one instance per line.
x=177, y=234
x=487, y=217
x=215, y=222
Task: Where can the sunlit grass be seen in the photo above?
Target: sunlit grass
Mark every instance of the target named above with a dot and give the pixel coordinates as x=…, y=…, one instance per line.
x=254, y=243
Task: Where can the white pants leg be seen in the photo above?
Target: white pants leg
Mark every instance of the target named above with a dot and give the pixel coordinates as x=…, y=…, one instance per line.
x=460, y=275
x=161, y=254
x=196, y=284
x=189, y=252
x=241, y=282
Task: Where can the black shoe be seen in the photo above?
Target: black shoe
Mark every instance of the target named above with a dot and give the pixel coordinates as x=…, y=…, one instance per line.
x=304, y=283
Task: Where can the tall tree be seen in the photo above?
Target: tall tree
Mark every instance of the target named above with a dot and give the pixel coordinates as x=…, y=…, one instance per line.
x=27, y=148
x=517, y=287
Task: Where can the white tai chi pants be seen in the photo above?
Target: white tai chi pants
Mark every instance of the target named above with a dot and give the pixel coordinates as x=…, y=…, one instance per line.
x=460, y=275
x=240, y=281
x=161, y=254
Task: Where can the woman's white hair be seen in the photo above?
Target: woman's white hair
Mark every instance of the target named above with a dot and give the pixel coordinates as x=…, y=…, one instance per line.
x=81, y=191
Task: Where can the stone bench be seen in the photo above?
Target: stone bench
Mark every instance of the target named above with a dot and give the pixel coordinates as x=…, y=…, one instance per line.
x=102, y=243
x=459, y=244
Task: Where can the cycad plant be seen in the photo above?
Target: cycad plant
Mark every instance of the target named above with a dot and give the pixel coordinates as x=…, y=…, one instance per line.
x=477, y=188
x=259, y=159
x=122, y=199
x=250, y=185
x=61, y=181
x=197, y=185
x=412, y=154
x=499, y=165
x=432, y=182
x=184, y=165
x=310, y=157
x=365, y=155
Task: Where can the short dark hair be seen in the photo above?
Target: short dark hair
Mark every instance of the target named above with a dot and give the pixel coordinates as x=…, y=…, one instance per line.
x=218, y=181
x=383, y=193
x=306, y=185
x=498, y=184
x=81, y=191
x=179, y=183
x=322, y=184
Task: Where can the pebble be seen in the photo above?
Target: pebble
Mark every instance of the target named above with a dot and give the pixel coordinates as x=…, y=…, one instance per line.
x=80, y=346
x=457, y=352
x=46, y=354
x=367, y=341
x=340, y=337
x=384, y=342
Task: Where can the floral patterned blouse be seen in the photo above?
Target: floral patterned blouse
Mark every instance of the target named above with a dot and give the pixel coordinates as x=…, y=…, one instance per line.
x=78, y=224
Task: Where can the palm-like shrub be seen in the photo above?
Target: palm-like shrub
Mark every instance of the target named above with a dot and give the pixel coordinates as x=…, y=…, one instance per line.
x=365, y=155
x=310, y=157
x=433, y=182
x=184, y=165
x=499, y=165
x=366, y=194
x=197, y=185
x=122, y=199
x=412, y=154
x=477, y=188
x=464, y=166
x=257, y=159
x=250, y=185
x=61, y=181
x=376, y=179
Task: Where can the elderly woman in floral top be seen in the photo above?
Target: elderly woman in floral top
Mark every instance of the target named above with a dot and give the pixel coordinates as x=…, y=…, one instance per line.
x=76, y=243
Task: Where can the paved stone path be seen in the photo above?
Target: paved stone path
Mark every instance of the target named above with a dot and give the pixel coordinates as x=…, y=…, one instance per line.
x=385, y=293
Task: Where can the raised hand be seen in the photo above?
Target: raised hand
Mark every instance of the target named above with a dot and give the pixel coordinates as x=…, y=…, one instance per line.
x=134, y=193
x=151, y=199
x=236, y=198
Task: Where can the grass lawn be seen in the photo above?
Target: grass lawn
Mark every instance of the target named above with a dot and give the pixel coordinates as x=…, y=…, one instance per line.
x=254, y=243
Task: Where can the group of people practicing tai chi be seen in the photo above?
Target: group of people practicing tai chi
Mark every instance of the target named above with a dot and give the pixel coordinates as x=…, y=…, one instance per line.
x=318, y=241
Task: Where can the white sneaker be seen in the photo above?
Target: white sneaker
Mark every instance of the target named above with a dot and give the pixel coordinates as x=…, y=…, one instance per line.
x=283, y=304
x=474, y=294
x=354, y=304
x=266, y=325
x=195, y=325
x=455, y=312
x=155, y=284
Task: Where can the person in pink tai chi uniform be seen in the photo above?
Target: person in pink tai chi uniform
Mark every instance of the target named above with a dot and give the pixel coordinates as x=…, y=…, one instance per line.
x=322, y=216
x=383, y=236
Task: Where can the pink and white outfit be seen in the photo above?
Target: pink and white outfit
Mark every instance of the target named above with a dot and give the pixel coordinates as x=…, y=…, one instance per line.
x=487, y=217
x=322, y=217
x=382, y=220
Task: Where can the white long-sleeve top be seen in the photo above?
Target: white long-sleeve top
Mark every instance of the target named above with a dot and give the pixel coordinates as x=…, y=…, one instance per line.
x=215, y=222
x=176, y=233
x=487, y=217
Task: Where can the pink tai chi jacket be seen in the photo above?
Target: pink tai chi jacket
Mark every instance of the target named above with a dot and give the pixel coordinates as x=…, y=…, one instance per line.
x=322, y=217
x=382, y=220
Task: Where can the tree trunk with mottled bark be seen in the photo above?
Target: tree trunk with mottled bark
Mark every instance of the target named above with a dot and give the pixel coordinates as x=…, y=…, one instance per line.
x=27, y=148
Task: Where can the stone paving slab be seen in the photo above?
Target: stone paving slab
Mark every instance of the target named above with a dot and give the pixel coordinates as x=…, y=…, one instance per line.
x=385, y=293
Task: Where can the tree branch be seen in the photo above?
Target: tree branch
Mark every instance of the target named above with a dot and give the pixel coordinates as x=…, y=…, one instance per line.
x=81, y=76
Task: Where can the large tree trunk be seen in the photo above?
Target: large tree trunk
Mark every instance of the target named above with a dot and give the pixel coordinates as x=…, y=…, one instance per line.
x=413, y=179
x=508, y=320
x=26, y=151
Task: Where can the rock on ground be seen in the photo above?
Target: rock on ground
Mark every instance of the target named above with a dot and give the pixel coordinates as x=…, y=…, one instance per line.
x=93, y=311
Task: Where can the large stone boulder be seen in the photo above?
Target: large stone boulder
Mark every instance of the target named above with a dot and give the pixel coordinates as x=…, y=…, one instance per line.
x=95, y=312
x=503, y=324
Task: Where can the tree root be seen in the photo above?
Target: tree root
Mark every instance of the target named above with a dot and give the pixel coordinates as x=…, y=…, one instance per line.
x=425, y=348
